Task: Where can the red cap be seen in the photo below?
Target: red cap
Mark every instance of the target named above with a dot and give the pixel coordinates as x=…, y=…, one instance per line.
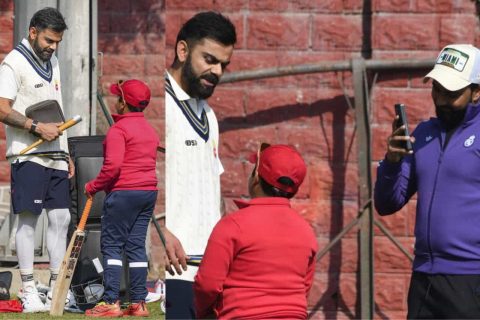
x=134, y=92
x=278, y=161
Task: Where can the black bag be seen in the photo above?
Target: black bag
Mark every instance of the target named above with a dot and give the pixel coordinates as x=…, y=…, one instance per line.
x=5, y=283
x=45, y=111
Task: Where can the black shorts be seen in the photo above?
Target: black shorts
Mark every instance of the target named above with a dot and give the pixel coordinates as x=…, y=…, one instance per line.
x=35, y=187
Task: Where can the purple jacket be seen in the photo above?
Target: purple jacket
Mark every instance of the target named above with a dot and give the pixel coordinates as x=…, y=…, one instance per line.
x=447, y=182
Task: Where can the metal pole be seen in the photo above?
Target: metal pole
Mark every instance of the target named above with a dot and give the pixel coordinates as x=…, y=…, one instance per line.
x=326, y=66
x=365, y=190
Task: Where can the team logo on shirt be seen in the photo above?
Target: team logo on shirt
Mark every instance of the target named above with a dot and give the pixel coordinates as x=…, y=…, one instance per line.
x=56, y=84
x=428, y=138
x=469, y=141
x=38, y=85
x=190, y=143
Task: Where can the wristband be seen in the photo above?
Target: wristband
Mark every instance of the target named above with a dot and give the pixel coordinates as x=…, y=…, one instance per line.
x=33, y=127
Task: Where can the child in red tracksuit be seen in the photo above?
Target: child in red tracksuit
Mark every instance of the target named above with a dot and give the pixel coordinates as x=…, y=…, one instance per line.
x=128, y=177
x=260, y=260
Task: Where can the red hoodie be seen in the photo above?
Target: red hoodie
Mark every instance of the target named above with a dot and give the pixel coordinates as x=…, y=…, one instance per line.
x=259, y=263
x=130, y=154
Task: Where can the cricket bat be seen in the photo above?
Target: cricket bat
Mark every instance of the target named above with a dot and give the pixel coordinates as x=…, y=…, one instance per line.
x=63, y=127
x=65, y=274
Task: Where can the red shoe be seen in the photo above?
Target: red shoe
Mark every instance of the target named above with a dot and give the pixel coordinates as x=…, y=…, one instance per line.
x=105, y=310
x=137, y=310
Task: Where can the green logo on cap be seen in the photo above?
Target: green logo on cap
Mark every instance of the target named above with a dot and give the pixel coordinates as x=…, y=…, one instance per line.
x=453, y=58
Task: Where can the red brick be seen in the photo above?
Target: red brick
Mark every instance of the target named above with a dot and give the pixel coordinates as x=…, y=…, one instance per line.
x=146, y=5
x=334, y=291
x=6, y=23
x=353, y=5
x=6, y=42
x=235, y=178
x=328, y=217
x=6, y=5
x=405, y=32
x=418, y=103
x=443, y=6
x=199, y=5
x=328, y=36
x=396, y=223
x=388, y=258
x=124, y=64
x=132, y=44
x=126, y=22
x=114, y=5
x=228, y=104
x=155, y=109
x=240, y=143
x=316, y=142
x=104, y=22
x=398, y=79
x=391, y=6
x=265, y=105
x=155, y=65
x=156, y=85
x=390, y=292
x=342, y=257
x=297, y=5
x=277, y=31
x=380, y=134
x=156, y=22
x=4, y=171
x=2, y=131
x=333, y=182
x=452, y=29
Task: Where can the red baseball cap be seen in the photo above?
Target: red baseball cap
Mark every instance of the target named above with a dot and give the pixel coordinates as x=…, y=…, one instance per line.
x=134, y=92
x=278, y=161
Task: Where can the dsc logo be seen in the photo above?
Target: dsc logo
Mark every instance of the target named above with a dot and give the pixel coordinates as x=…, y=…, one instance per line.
x=190, y=143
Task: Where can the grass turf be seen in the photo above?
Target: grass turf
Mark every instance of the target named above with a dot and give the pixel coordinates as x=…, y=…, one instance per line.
x=153, y=308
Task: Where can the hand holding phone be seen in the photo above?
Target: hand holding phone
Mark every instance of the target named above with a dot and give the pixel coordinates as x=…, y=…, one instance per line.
x=402, y=120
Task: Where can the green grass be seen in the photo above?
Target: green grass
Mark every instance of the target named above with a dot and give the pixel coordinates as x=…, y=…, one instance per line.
x=154, y=308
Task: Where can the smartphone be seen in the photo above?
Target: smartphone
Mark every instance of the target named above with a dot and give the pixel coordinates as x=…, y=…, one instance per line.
x=402, y=120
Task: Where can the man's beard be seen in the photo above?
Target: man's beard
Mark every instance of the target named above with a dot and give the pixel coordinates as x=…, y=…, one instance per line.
x=43, y=54
x=195, y=88
x=449, y=116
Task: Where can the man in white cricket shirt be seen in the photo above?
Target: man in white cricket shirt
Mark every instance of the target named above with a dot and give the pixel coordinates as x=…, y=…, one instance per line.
x=203, y=50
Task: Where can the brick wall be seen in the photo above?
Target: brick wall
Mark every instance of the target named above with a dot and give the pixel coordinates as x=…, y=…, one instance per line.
x=311, y=113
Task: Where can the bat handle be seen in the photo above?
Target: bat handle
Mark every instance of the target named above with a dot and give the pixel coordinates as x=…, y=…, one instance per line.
x=76, y=119
x=85, y=213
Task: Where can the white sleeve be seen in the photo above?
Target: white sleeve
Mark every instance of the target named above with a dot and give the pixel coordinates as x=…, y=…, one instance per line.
x=8, y=83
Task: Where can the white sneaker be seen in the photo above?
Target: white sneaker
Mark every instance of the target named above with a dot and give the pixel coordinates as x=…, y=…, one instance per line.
x=48, y=300
x=31, y=301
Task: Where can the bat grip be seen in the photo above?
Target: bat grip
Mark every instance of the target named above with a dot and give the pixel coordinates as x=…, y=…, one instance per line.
x=85, y=213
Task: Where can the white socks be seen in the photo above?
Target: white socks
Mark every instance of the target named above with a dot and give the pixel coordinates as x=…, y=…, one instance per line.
x=58, y=221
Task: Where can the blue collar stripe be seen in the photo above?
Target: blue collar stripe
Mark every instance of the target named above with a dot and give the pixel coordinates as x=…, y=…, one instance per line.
x=45, y=73
x=199, y=125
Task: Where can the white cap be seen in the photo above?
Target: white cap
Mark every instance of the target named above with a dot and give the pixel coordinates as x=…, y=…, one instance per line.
x=457, y=66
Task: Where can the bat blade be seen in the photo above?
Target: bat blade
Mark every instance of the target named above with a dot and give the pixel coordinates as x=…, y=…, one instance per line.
x=64, y=278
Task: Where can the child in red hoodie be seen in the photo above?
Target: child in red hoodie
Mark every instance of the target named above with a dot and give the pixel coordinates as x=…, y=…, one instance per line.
x=260, y=260
x=128, y=177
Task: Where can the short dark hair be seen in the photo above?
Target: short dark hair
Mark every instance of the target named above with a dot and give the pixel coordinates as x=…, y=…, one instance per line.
x=134, y=109
x=272, y=191
x=48, y=18
x=207, y=25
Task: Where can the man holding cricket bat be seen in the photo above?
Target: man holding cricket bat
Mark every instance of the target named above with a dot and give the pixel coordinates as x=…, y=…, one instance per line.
x=39, y=180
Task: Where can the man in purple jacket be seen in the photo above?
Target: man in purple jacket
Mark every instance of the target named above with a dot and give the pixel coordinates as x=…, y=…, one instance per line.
x=444, y=171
